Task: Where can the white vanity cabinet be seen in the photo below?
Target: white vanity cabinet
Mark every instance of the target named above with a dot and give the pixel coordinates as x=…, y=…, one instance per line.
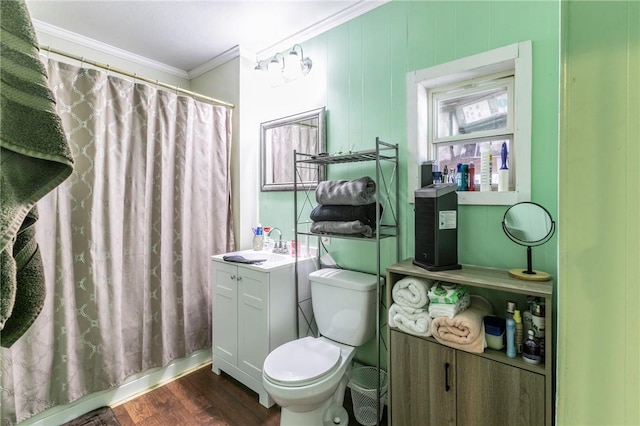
x=253, y=312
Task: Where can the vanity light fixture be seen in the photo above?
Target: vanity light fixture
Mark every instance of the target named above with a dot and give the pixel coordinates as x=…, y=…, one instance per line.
x=296, y=64
x=276, y=64
x=305, y=63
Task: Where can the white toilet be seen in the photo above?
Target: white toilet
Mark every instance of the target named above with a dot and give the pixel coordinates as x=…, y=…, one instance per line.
x=308, y=377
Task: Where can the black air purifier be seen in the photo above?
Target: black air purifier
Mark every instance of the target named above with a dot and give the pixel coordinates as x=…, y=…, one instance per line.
x=436, y=239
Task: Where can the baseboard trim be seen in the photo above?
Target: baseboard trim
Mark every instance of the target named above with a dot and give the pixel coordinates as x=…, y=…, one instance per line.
x=136, y=385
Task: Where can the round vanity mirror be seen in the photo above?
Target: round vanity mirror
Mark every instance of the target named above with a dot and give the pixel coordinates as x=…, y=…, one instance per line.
x=528, y=224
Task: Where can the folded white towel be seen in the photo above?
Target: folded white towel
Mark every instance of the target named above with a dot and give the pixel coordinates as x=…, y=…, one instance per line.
x=411, y=292
x=449, y=310
x=410, y=320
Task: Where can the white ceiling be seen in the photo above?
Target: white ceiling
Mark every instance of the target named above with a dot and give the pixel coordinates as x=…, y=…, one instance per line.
x=186, y=34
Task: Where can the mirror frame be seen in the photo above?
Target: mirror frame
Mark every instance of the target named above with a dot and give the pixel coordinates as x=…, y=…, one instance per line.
x=320, y=114
x=526, y=243
x=529, y=274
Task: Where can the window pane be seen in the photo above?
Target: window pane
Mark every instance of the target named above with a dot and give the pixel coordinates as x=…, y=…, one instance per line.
x=449, y=156
x=472, y=112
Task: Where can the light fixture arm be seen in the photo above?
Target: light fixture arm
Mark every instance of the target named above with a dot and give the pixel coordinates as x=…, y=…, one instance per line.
x=296, y=56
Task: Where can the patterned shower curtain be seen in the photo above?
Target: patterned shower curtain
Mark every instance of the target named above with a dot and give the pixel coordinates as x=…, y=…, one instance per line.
x=125, y=240
x=285, y=139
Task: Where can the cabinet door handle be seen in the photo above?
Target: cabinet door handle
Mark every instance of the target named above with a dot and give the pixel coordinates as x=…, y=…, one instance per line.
x=233, y=277
x=239, y=278
x=446, y=377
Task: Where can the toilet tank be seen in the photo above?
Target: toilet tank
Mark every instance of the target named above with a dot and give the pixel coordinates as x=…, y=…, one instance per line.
x=344, y=304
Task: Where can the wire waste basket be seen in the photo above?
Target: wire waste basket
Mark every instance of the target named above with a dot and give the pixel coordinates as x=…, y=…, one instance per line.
x=364, y=393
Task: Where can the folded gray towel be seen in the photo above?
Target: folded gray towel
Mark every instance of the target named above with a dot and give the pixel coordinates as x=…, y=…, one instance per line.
x=365, y=213
x=346, y=192
x=241, y=259
x=354, y=227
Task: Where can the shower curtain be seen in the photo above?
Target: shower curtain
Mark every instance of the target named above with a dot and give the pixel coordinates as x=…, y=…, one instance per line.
x=285, y=139
x=125, y=240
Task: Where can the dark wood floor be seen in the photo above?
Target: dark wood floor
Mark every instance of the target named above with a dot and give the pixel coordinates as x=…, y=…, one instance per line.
x=203, y=398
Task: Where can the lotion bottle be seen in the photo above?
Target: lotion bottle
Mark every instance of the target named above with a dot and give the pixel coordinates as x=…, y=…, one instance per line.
x=511, y=337
x=519, y=334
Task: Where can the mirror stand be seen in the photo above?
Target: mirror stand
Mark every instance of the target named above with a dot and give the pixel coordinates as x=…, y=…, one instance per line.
x=529, y=274
x=528, y=224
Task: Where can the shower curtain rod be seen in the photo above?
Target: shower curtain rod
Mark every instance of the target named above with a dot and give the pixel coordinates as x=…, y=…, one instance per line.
x=136, y=76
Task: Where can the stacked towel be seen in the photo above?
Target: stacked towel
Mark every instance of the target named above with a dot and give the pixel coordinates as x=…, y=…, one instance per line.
x=410, y=320
x=356, y=192
x=409, y=311
x=354, y=227
x=35, y=159
x=411, y=292
x=345, y=207
x=464, y=331
x=447, y=300
x=365, y=213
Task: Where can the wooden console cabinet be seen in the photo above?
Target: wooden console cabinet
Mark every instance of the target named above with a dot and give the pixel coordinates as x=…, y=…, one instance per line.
x=434, y=384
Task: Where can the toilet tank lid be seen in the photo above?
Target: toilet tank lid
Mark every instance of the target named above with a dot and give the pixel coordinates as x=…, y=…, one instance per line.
x=345, y=278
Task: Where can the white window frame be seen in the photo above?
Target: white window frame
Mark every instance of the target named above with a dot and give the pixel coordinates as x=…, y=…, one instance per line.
x=514, y=58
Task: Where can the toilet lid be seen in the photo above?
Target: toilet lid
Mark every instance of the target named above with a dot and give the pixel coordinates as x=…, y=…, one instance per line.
x=301, y=361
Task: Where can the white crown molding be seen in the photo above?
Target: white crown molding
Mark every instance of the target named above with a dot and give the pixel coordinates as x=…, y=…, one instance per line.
x=333, y=21
x=325, y=25
x=90, y=43
x=222, y=58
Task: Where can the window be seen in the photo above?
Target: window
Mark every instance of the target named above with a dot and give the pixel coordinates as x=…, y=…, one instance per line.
x=459, y=108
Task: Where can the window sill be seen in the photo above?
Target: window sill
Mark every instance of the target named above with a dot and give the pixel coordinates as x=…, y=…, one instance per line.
x=489, y=198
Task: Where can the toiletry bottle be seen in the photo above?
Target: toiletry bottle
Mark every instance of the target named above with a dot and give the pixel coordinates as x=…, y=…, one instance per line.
x=472, y=177
x=503, y=173
x=266, y=241
x=531, y=351
x=519, y=336
x=258, y=238
x=464, y=178
x=537, y=323
x=485, y=168
x=511, y=336
x=445, y=174
x=511, y=307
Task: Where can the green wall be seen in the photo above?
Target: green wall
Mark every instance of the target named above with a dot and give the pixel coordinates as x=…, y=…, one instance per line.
x=366, y=61
x=599, y=231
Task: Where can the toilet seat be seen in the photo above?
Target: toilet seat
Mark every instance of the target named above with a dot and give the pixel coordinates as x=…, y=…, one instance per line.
x=302, y=361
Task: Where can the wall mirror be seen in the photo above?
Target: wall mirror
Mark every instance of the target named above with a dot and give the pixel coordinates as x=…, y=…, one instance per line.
x=304, y=132
x=528, y=224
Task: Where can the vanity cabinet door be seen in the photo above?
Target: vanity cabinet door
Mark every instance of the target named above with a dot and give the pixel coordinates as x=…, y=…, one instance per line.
x=492, y=393
x=253, y=321
x=423, y=377
x=225, y=308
